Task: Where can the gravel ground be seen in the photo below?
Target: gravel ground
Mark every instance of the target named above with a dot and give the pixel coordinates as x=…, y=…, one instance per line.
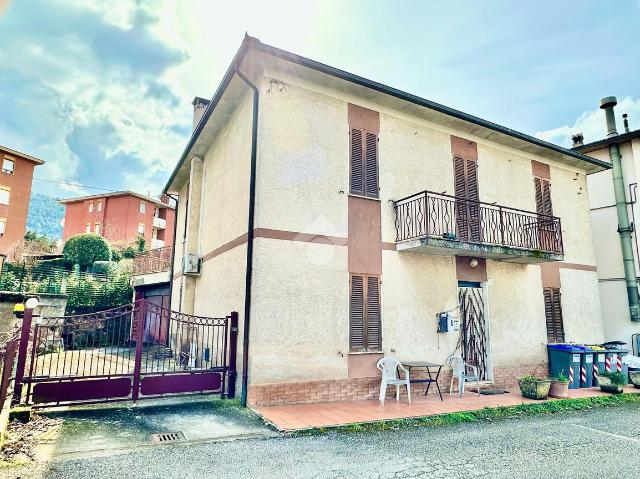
x=603, y=442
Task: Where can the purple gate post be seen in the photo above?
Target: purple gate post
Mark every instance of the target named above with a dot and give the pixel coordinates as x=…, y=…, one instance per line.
x=22, y=355
x=139, y=313
x=233, y=350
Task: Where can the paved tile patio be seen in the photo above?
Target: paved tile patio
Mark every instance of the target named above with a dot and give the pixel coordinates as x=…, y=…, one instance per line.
x=305, y=416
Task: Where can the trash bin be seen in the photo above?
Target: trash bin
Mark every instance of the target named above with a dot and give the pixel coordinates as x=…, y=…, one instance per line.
x=565, y=359
x=615, y=353
x=586, y=367
x=599, y=354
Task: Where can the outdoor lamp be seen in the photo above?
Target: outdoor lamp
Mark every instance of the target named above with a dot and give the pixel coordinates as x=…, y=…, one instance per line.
x=31, y=303
x=473, y=262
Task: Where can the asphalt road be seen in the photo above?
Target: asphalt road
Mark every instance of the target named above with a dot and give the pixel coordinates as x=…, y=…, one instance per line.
x=603, y=442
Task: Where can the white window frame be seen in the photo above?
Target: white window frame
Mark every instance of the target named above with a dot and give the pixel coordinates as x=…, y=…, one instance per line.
x=96, y=228
x=91, y=206
x=99, y=206
x=8, y=190
x=88, y=228
x=143, y=207
x=141, y=227
x=3, y=228
x=13, y=165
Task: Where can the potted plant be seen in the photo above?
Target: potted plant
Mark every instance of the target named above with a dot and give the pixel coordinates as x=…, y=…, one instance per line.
x=559, y=387
x=533, y=387
x=612, y=382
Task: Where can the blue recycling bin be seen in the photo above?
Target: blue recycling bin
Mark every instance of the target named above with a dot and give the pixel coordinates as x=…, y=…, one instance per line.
x=566, y=359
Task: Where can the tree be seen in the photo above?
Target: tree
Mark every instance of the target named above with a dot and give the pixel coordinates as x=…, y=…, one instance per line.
x=83, y=249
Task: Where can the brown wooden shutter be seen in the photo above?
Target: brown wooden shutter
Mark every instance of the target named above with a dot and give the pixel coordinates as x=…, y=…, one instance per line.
x=371, y=164
x=356, y=162
x=373, y=323
x=465, y=172
x=356, y=313
x=553, y=315
x=543, y=196
x=364, y=163
x=365, y=327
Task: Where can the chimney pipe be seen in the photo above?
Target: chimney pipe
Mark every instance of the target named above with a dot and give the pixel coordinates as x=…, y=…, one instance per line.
x=625, y=122
x=607, y=105
x=624, y=228
x=578, y=139
x=199, y=107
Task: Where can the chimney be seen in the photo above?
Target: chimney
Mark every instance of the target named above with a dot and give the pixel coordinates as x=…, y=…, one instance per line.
x=625, y=122
x=578, y=140
x=199, y=107
x=607, y=105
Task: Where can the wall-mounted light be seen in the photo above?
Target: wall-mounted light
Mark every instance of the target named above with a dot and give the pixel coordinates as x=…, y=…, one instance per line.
x=473, y=262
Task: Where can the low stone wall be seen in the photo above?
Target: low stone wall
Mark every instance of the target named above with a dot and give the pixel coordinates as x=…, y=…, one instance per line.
x=50, y=305
x=369, y=388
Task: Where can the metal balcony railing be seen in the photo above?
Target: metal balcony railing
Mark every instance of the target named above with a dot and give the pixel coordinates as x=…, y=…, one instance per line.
x=152, y=261
x=429, y=214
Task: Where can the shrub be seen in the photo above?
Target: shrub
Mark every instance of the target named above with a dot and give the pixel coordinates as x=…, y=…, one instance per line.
x=86, y=248
x=103, y=267
x=616, y=378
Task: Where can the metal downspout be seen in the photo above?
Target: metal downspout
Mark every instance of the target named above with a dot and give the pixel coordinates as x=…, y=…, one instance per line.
x=624, y=229
x=250, y=236
x=173, y=246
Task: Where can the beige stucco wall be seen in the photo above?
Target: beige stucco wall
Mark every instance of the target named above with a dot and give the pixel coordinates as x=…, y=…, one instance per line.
x=581, y=306
x=299, y=329
x=516, y=314
x=414, y=288
x=302, y=173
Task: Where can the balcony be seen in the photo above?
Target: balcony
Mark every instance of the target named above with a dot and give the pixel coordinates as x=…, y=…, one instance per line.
x=159, y=223
x=156, y=243
x=436, y=223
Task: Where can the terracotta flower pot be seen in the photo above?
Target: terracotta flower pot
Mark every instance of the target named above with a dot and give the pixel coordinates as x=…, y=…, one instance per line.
x=559, y=389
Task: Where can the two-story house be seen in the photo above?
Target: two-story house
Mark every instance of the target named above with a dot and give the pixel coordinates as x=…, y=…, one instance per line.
x=121, y=217
x=341, y=216
x=16, y=177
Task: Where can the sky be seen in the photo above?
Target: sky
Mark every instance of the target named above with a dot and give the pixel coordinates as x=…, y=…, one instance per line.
x=102, y=90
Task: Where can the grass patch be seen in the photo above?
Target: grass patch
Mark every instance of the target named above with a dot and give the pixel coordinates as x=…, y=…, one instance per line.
x=486, y=414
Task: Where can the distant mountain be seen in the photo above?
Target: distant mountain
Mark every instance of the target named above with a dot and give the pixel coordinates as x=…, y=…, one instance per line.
x=45, y=215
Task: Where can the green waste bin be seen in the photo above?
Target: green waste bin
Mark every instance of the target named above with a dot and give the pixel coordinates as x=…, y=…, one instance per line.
x=586, y=367
x=599, y=355
x=565, y=359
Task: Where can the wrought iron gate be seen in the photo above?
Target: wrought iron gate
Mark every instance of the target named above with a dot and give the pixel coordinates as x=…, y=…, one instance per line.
x=473, y=331
x=140, y=350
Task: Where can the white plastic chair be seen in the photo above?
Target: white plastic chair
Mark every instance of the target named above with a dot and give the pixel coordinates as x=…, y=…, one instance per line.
x=389, y=368
x=459, y=367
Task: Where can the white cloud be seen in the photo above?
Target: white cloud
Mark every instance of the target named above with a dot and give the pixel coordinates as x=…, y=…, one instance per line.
x=592, y=124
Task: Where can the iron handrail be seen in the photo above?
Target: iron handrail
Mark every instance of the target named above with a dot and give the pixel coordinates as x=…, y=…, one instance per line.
x=460, y=199
x=430, y=214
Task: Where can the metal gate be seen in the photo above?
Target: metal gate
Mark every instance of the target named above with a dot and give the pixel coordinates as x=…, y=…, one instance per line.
x=473, y=332
x=140, y=350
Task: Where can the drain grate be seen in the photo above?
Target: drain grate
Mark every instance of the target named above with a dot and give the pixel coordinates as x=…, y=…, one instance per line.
x=165, y=437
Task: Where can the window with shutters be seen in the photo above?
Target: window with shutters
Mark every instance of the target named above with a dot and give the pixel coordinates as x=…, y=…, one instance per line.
x=553, y=315
x=465, y=173
x=547, y=231
x=363, y=163
x=364, y=313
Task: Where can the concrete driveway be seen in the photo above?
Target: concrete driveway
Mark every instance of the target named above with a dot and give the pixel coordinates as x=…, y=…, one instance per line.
x=604, y=442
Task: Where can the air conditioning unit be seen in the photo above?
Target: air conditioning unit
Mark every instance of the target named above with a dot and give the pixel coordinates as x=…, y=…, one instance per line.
x=191, y=264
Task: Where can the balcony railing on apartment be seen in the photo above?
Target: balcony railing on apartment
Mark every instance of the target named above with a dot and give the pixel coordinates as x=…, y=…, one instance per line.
x=437, y=215
x=159, y=223
x=152, y=261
